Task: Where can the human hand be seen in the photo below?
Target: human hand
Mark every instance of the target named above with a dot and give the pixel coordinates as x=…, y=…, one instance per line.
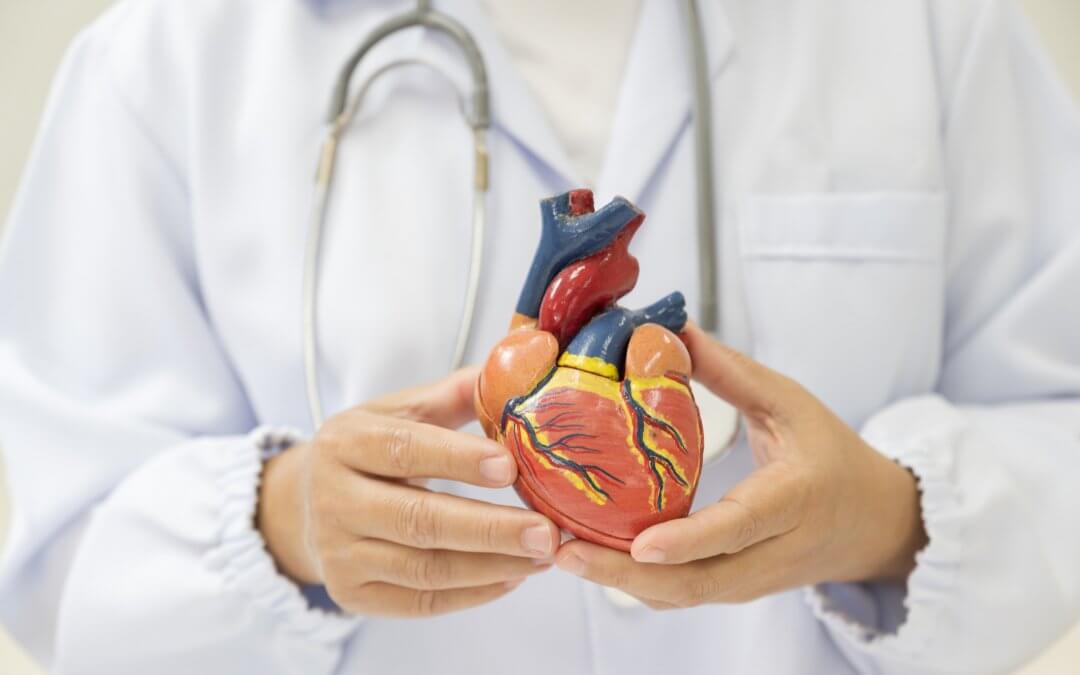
x=822, y=506
x=347, y=510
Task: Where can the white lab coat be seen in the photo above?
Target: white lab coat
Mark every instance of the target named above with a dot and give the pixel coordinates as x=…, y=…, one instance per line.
x=900, y=196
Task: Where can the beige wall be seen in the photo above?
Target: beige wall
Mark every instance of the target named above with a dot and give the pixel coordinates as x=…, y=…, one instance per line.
x=33, y=34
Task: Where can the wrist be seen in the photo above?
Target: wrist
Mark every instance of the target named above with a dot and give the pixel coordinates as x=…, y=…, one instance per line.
x=280, y=515
x=902, y=533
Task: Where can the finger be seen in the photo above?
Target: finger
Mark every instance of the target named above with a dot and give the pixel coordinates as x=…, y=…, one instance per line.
x=400, y=448
x=616, y=569
x=388, y=600
x=768, y=568
x=432, y=520
x=446, y=403
x=769, y=503
x=427, y=569
x=757, y=391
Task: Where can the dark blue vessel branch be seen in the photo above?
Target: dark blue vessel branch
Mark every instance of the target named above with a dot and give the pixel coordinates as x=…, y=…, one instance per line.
x=607, y=335
x=571, y=231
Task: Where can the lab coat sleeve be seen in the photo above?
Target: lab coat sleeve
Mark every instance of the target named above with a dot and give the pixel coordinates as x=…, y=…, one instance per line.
x=126, y=432
x=996, y=450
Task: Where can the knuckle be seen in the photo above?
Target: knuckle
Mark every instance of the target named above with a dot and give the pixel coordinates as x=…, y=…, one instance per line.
x=426, y=603
x=416, y=521
x=429, y=569
x=618, y=578
x=449, y=457
x=400, y=450
x=697, y=591
x=490, y=533
x=747, y=526
x=748, y=529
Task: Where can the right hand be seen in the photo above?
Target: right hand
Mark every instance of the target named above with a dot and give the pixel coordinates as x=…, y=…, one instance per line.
x=346, y=510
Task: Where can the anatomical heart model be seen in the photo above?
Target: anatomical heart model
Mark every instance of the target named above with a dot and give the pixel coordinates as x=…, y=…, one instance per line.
x=593, y=399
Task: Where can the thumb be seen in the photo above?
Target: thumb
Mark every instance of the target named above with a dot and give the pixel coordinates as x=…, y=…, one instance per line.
x=446, y=403
x=756, y=390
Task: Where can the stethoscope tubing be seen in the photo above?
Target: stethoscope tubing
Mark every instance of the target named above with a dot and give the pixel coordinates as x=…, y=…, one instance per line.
x=313, y=251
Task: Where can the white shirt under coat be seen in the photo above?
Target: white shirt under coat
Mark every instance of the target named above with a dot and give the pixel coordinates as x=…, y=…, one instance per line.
x=900, y=211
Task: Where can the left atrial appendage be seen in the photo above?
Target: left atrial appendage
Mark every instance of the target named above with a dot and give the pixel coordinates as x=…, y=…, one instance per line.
x=593, y=399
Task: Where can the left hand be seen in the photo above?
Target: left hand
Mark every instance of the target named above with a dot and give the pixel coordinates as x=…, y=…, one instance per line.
x=822, y=506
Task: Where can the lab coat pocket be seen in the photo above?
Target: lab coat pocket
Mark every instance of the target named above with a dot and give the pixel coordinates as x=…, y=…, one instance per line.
x=845, y=293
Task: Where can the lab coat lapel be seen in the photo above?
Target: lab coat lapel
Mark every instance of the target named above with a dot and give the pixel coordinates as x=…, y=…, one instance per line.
x=515, y=110
x=656, y=96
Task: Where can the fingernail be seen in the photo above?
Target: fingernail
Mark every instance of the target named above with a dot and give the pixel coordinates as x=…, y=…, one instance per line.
x=513, y=583
x=496, y=469
x=572, y=564
x=537, y=539
x=650, y=554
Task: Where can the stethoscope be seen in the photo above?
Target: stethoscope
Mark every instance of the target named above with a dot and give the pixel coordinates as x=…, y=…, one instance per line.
x=719, y=419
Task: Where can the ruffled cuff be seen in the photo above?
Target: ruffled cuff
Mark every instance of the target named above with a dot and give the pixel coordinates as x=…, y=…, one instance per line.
x=241, y=555
x=920, y=434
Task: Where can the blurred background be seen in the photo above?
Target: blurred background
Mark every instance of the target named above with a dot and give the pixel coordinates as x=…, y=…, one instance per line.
x=34, y=34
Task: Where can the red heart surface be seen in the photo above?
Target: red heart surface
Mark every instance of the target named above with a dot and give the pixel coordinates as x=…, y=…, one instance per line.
x=592, y=399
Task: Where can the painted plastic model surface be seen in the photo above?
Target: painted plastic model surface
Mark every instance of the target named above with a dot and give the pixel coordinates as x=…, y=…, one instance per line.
x=593, y=399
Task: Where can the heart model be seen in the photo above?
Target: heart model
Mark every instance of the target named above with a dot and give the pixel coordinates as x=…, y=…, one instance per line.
x=593, y=399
